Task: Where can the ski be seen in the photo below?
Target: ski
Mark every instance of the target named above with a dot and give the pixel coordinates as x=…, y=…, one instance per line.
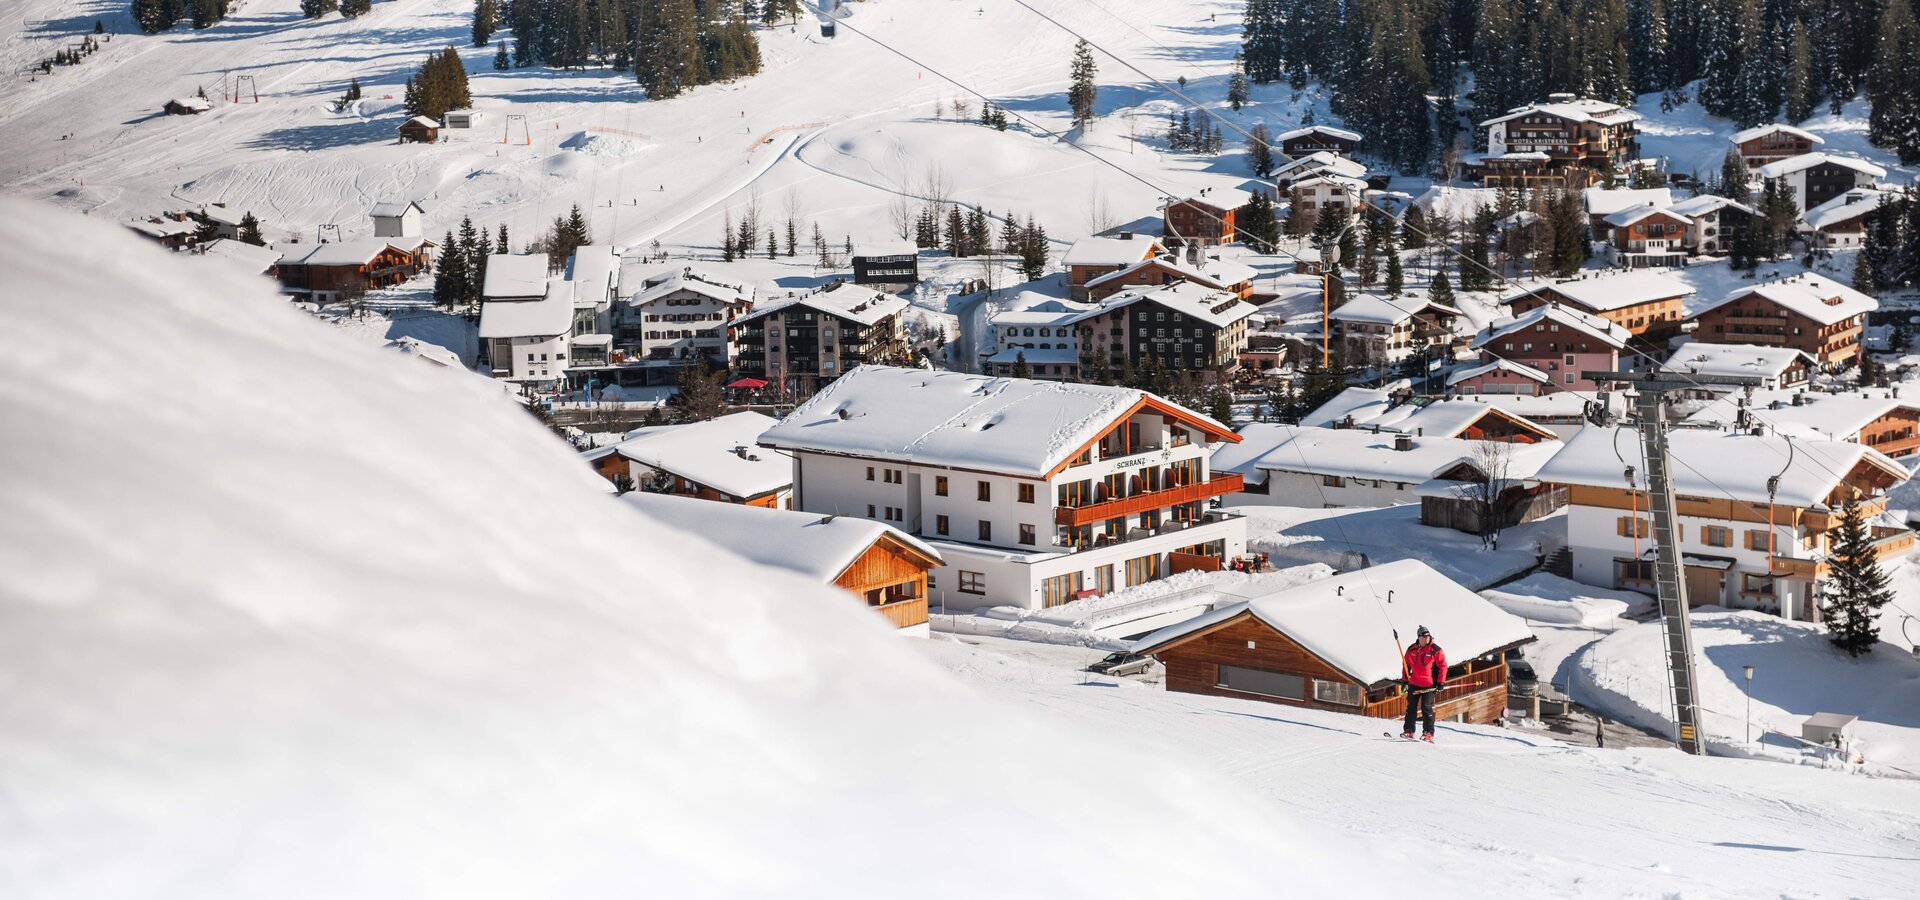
x=1415, y=740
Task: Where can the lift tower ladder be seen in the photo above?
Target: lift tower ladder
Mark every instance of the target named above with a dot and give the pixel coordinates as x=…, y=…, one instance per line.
x=1650, y=400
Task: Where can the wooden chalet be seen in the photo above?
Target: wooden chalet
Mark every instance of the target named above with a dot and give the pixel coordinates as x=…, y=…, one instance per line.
x=1564, y=139
x=1763, y=144
x=878, y=563
x=1093, y=257
x=718, y=459
x=1330, y=645
x=1206, y=271
x=1649, y=304
x=1206, y=218
x=419, y=130
x=1315, y=138
x=186, y=106
x=348, y=269
x=1807, y=312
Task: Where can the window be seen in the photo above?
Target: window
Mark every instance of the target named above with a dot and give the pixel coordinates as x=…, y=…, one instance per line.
x=869, y=473
x=986, y=530
x=1631, y=526
x=1026, y=493
x=1633, y=573
x=985, y=491
x=1333, y=481
x=939, y=485
x=1751, y=583
x=1103, y=579
x=940, y=525
x=1339, y=692
x=1716, y=536
x=1059, y=589
x=1262, y=682
x=870, y=514
x=1142, y=569
x=973, y=582
x=1026, y=534
x=1757, y=539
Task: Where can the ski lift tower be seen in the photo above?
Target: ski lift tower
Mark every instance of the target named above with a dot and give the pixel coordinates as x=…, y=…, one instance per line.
x=1650, y=400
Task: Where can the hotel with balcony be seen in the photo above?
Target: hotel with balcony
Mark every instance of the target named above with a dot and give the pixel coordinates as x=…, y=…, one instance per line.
x=1034, y=493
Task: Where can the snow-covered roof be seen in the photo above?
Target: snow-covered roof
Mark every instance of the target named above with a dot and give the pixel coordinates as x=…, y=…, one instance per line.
x=722, y=453
x=693, y=283
x=1449, y=418
x=253, y=256
x=1524, y=371
x=847, y=301
x=1389, y=310
x=162, y=228
x=594, y=271
x=1716, y=464
x=193, y=103
x=1328, y=130
x=1627, y=217
x=393, y=209
x=1607, y=201
x=1814, y=296
x=1582, y=110
x=1325, y=177
x=1819, y=414
x=1365, y=453
x=1038, y=317
x=515, y=275
x=1350, y=620
x=1111, y=251
x=423, y=121
x=1214, y=307
x=225, y=215
x=1213, y=271
x=343, y=253
x=885, y=248
x=1794, y=164
x=1747, y=134
x=1221, y=198
x=433, y=353
x=819, y=547
x=1611, y=291
x=1361, y=403
x=1014, y=426
x=1321, y=161
x=1848, y=206
x=1593, y=326
x=1701, y=205
x=549, y=316
x=1704, y=358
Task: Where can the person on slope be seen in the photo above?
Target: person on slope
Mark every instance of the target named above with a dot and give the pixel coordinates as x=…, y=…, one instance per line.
x=1425, y=668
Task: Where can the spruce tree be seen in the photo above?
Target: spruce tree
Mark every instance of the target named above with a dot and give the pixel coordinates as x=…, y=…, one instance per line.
x=353, y=9
x=1799, y=78
x=956, y=233
x=501, y=244
x=1893, y=83
x=1260, y=150
x=311, y=9
x=1857, y=587
x=1237, y=92
x=1863, y=278
x=1033, y=250
x=726, y=240
x=1020, y=367
x=1396, y=278
x=1263, y=41
x=249, y=231
x=1733, y=183
x=793, y=236
x=450, y=278
x=1081, y=91
x=773, y=245
x=1440, y=290
x=579, y=234
x=485, y=20
x=500, y=60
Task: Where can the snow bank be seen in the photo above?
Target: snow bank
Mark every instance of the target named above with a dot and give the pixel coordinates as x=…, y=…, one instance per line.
x=1541, y=597
x=306, y=618
x=1797, y=673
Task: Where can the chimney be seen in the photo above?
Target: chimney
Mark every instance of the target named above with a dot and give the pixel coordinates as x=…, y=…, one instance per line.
x=1800, y=398
x=1126, y=235
x=1403, y=442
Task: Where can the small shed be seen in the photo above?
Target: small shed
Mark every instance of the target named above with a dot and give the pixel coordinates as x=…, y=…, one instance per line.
x=187, y=106
x=1829, y=729
x=463, y=118
x=419, y=130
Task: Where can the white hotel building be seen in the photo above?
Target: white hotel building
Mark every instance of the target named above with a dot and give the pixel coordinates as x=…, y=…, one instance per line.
x=1033, y=492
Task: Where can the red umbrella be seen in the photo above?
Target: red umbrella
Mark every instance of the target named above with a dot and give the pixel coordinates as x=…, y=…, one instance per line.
x=751, y=384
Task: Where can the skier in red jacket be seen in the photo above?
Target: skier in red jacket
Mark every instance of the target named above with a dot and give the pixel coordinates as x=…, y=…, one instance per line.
x=1426, y=673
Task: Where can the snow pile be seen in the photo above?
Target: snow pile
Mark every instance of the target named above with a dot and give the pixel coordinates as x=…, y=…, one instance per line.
x=306, y=618
x=1797, y=672
x=1542, y=597
x=605, y=145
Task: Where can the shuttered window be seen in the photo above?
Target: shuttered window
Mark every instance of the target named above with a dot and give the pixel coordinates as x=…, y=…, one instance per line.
x=1263, y=682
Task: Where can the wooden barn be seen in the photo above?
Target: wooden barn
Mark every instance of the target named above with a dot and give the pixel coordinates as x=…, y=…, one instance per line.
x=419, y=130
x=1332, y=645
x=876, y=562
x=344, y=270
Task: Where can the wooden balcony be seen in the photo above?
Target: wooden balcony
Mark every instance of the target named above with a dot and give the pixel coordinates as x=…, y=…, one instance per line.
x=905, y=613
x=1216, y=486
x=1887, y=542
x=1479, y=678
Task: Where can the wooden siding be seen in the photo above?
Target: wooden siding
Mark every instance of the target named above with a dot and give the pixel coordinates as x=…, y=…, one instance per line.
x=1218, y=486
x=1193, y=666
x=892, y=578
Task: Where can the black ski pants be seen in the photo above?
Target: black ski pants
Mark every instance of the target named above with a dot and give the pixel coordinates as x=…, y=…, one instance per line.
x=1420, y=704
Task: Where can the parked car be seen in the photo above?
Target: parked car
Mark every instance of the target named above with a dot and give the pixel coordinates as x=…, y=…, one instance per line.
x=1121, y=664
x=1521, y=680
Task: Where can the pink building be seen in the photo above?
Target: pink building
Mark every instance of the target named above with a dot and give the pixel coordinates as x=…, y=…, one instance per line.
x=1542, y=351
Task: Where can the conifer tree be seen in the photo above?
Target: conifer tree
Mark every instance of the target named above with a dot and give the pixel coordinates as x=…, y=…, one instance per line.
x=1893, y=83
x=669, y=58
x=1033, y=250
x=500, y=60
x=1440, y=290
x=1081, y=91
x=314, y=9
x=1020, y=367
x=726, y=240
x=249, y=231
x=1858, y=588
x=501, y=243
x=1799, y=78
x=485, y=19
x=578, y=232
x=1237, y=92
x=1390, y=247
x=206, y=13
x=450, y=279
x=1260, y=150
x=1733, y=183
x=1415, y=226
x=1263, y=41
x=354, y=9
x=956, y=232
x=1863, y=279
x=793, y=236
x=773, y=245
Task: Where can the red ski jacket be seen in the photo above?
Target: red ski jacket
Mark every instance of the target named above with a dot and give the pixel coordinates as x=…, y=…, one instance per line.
x=1426, y=665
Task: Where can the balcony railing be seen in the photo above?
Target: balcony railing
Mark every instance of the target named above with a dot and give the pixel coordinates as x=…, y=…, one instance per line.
x=905, y=613
x=1218, y=485
x=1886, y=542
x=1102, y=540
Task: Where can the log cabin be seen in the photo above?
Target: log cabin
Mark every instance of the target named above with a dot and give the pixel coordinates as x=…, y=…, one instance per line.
x=1335, y=644
x=881, y=565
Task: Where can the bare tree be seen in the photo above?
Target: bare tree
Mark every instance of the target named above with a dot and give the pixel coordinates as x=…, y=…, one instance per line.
x=935, y=186
x=903, y=212
x=939, y=108
x=1494, y=460
x=962, y=108
x=750, y=216
x=1100, y=215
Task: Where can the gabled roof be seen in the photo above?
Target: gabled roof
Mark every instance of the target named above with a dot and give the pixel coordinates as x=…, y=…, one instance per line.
x=515, y=275
x=1573, y=319
x=1389, y=311
x=225, y=215
x=1583, y=110
x=692, y=281
x=1452, y=418
x=1213, y=272
x=845, y=300
x=1014, y=426
x=1806, y=294
x=387, y=209
x=1524, y=371
x=1837, y=417
x=1707, y=203
x=1717, y=464
x=343, y=253
x=885, y=248
x=1847, y=207
x=1324, y=177
x=1603, y=293
x=1214, y=307
x=1745, y=135
x=1111, y=251
x=1327, y=130
x=1361, y=403
x=594, y=270
x=1794, y=164
x=1366, y=453
x=1225, y=199
x=1319, y=161
x=1703, y=358
x=1348, y=621
x=253, y=256
x=1627, y=217
x=722, y=453
x=422, y=121
x=816, y=546
x=1607, y=201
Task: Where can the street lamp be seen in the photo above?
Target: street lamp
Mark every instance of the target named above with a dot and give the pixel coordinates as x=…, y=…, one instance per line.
x=1748, y=672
